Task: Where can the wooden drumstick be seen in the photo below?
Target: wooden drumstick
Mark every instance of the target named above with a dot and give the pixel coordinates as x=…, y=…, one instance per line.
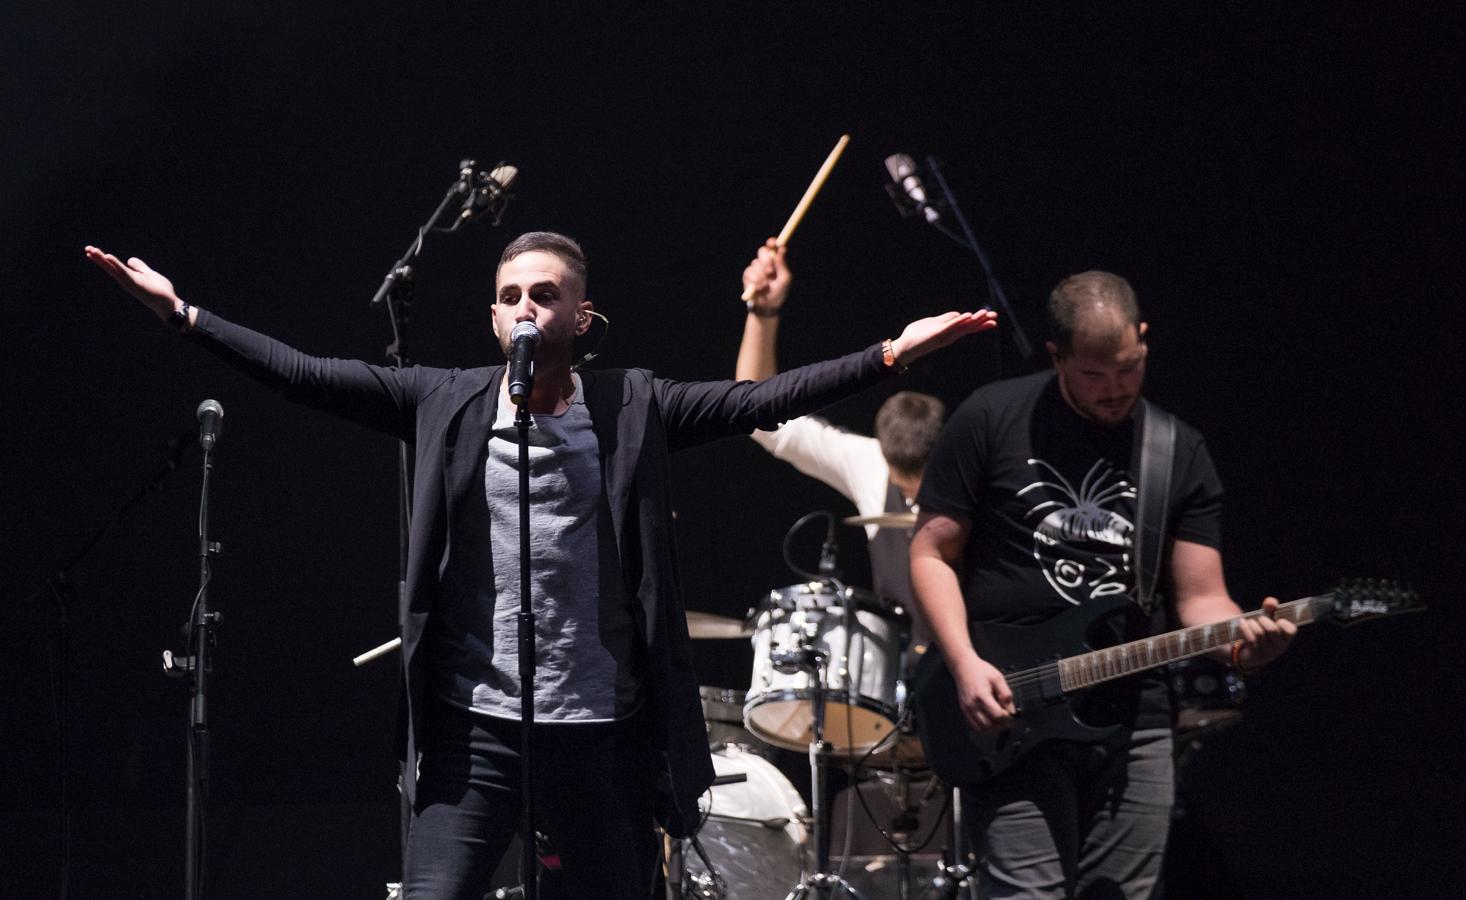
x=381, y=650
x=814, y=188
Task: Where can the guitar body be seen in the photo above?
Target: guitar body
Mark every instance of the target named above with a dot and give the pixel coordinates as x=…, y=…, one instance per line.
x=962, y=756
x=1028, y=657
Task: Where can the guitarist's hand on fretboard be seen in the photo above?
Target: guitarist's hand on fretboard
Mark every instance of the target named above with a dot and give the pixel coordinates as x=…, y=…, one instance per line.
x=983, y=694
x=1263, y=638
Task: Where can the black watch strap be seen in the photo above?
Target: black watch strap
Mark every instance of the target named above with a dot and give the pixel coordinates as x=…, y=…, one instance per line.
x=179, y=317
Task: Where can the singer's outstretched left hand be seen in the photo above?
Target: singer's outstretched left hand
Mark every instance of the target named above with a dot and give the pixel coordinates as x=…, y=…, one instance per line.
x=153, y=289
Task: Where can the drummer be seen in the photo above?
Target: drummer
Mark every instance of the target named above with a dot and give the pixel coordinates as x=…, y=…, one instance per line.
x=880, y=474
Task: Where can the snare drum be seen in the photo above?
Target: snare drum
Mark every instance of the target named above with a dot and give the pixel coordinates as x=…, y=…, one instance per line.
x=865, y=661
x=753, y=831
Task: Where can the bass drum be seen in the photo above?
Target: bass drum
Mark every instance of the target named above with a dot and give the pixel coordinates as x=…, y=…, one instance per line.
x=868, y=660
x=753, y=832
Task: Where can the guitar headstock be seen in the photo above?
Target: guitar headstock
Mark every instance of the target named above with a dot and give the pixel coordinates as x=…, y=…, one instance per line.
x=1359, y=599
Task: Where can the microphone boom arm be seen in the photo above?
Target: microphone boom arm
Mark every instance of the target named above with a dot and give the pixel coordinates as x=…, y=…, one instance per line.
x=401, y=270
x=995, y=290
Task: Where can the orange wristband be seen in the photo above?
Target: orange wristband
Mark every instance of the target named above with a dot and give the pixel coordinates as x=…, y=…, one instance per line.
x=888, y=356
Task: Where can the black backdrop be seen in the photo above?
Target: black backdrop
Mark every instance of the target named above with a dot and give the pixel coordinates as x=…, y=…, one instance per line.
x=1283, y=188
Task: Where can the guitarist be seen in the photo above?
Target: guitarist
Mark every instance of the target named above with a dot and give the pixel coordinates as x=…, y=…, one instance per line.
x=1028, y=510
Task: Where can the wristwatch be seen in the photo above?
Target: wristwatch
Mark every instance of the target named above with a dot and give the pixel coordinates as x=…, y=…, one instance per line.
x=179, y=317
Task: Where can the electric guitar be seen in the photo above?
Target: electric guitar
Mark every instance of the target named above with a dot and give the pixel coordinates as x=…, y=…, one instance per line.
x=1045, y=684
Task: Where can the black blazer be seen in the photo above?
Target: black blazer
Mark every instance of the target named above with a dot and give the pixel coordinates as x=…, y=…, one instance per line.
x=638, y=419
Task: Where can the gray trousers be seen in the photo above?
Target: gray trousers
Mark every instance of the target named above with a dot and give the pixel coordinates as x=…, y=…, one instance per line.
x=1076, y=820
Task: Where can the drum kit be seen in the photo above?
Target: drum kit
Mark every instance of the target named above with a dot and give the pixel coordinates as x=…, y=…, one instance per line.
x=828, y=682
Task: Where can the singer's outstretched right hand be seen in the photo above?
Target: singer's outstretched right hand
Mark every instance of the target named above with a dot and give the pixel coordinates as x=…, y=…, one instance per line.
x=152, y=288
x=935, y=332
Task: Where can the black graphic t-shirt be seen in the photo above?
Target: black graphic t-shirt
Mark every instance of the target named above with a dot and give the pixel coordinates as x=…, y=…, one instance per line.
x=1051, y=498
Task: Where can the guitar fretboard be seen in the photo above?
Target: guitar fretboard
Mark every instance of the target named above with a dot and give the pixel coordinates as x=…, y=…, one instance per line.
x=1089, y=669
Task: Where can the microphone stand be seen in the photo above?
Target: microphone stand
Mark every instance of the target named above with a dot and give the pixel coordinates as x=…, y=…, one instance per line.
x=396, y=292
x=908, y=206
x=822, y=884
x=1020, y=339
x=60, y=589
x=526, y=664
x=201, y=625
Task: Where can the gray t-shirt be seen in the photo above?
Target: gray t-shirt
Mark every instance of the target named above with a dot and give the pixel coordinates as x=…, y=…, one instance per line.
x=583, y=639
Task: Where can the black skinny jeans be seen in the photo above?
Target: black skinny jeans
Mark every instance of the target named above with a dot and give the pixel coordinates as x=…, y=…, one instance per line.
x=593, y=800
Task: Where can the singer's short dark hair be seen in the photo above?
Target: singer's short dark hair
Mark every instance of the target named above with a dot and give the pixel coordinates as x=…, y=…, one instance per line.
x=907, y=426
x=1099, y=303
x=547, y=242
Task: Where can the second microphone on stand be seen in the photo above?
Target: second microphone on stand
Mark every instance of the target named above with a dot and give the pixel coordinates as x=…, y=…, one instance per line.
x=907, y=189
x=488, y=193
x=211, y=423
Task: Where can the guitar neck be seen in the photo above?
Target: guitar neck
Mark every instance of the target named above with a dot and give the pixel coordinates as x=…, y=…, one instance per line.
x=1097, y=666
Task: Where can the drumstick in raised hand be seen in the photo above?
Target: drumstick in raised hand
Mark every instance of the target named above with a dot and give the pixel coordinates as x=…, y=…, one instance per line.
x=799, y=210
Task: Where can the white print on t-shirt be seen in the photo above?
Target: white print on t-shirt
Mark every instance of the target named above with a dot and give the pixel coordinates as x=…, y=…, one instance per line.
x=1075, y=541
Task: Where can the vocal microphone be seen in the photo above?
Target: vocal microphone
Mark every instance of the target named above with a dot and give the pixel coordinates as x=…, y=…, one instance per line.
x=903, y=171
x=211, y=423
x=490, y=192
x=523, y=341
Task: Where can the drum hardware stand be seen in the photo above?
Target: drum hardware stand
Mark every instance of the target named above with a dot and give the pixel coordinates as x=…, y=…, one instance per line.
x=955, y=877
x=822, y=884
x=904, y=825
x=708, y=885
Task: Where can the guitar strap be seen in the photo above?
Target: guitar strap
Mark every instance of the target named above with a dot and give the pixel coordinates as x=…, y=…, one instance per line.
x=1157, y=450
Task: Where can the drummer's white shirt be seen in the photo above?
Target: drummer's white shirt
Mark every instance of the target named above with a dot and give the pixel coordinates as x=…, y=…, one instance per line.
x=850, y=463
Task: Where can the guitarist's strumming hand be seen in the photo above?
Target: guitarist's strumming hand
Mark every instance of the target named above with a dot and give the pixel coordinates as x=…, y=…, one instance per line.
x=983, y=694
x=936, y=549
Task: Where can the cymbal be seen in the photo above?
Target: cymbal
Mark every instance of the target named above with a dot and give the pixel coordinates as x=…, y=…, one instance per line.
x=703, y=626
x=884, y=520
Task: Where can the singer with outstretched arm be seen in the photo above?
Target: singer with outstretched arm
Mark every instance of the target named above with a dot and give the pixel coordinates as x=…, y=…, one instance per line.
x=619, y=728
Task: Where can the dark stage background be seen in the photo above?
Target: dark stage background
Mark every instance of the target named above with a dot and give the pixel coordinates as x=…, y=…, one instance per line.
x=1282, y=187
